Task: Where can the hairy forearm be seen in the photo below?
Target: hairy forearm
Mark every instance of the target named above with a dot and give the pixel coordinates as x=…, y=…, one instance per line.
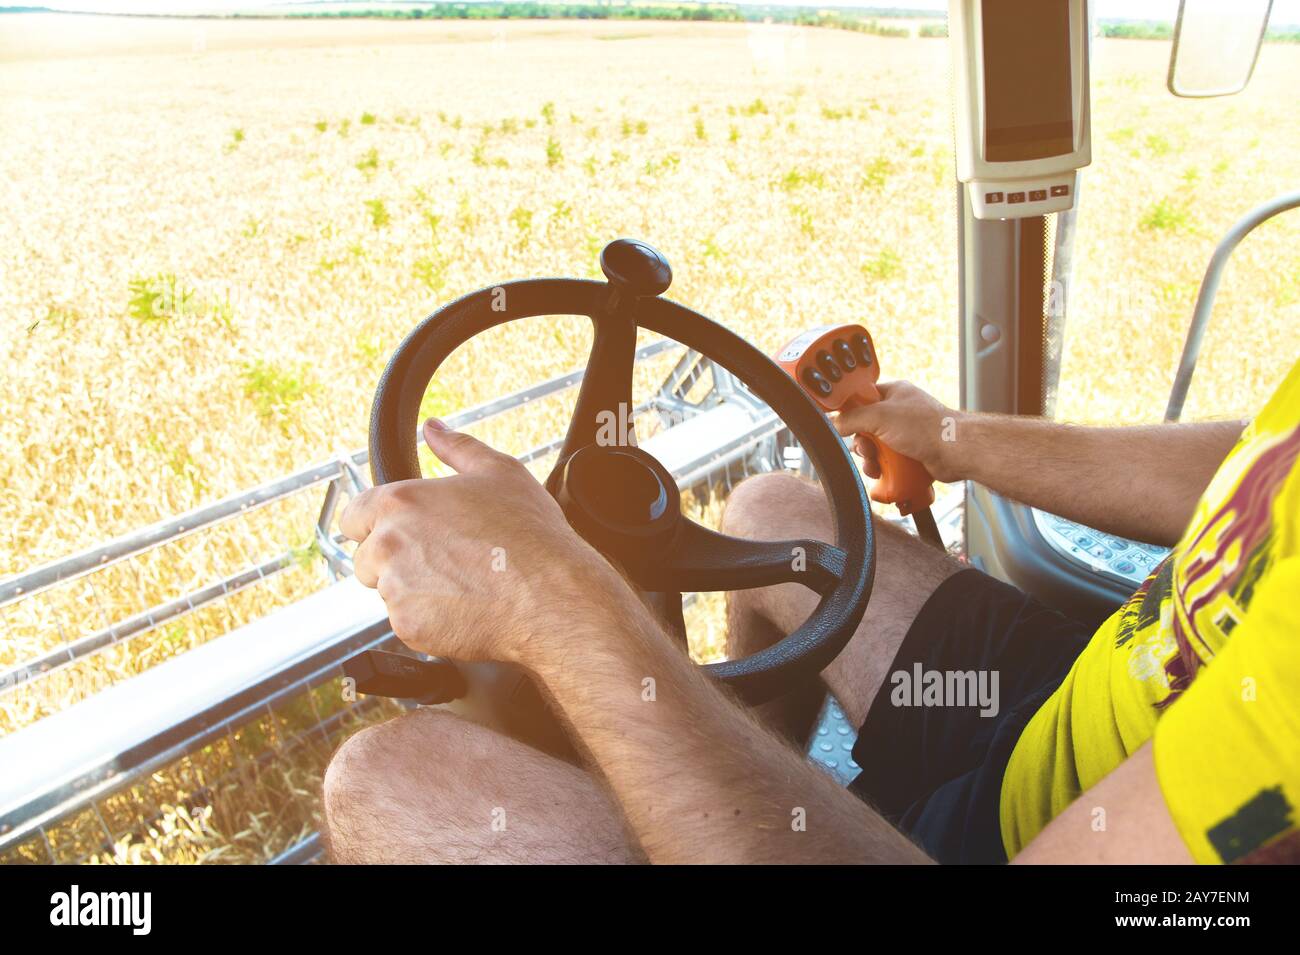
x=697, y=777
x=1139, y=482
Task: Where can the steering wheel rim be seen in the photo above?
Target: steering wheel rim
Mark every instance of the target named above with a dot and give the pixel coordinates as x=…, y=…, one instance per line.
x=842, y=573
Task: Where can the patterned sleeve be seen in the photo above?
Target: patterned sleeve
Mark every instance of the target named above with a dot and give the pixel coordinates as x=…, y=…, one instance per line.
x=1227, y=753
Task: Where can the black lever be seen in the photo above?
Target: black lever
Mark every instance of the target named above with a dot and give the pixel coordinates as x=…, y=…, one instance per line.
x=427, y=682
x=635, y=269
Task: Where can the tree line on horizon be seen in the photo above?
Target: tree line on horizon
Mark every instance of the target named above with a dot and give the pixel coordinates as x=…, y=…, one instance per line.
x=856, y=19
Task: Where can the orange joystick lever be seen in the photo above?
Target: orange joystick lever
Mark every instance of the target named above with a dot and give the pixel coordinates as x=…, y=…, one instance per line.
x=837, y=366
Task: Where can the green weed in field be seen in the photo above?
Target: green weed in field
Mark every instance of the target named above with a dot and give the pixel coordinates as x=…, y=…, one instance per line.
x=275, y=389
x=433, y=222
x=1158, y=145
x=369, y=163
x=522, y=220
x=180, y=462
x=804, y=216
x=439, y=401
x=305, y=554
x=223, y=311
x=431, y=273
x=796, y=178
x=877, y=173
x=159, y=298
x=379, y=216
x=466, y=217
x=1288, y=292
x=1165, y=215
x=1177, y=293
x=561, y=211
x=370, y=348
x=885, y=265
x=668, y=163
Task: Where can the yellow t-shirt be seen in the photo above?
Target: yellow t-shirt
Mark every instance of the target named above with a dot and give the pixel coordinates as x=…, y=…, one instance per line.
x=1205, y=657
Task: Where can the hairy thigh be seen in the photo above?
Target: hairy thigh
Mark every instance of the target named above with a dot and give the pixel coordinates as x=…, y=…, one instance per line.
x=782, y=505
x=433, y=787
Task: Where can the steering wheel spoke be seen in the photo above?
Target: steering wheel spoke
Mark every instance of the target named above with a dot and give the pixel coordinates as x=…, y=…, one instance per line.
x=635, y=271
x=605, y=396
x=703, y=560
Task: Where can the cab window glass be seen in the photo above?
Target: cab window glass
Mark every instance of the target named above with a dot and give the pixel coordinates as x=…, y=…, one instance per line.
x=1169, y=177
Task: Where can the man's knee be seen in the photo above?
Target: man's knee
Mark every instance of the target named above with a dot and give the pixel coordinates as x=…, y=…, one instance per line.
x=775, y=505
x=362, y=775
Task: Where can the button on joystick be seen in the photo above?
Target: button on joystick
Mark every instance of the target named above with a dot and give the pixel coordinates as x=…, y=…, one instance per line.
x=817, y=382
x=862, y=348
x=844, y=354
x=826, y=364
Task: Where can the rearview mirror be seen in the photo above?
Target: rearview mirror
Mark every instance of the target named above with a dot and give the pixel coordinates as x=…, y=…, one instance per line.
x=1216, y=44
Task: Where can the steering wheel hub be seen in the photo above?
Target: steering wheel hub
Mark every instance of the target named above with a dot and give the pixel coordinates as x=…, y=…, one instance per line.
x=621, y=499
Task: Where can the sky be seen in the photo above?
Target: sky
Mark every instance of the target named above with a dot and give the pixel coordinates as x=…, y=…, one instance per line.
x=1284, y=11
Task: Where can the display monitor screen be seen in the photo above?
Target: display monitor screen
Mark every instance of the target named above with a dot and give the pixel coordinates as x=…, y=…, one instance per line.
x=1028, y=110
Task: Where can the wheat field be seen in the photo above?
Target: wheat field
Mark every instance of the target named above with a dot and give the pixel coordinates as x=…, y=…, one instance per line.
x=215, y=232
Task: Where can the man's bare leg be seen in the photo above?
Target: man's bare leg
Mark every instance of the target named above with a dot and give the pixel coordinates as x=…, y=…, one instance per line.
x=780, y=506
x=431, y=787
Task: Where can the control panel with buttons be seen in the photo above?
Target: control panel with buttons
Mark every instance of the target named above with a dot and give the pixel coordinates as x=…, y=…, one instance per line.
x=1115, y=557
x=1014, y=200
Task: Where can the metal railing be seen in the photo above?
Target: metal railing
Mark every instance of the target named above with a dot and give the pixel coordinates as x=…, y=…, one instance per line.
x=342, y=477
x=68, y=796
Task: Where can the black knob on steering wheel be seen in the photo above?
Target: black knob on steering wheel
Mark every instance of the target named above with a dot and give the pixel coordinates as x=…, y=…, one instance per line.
x=622, y=500
x=635, y=269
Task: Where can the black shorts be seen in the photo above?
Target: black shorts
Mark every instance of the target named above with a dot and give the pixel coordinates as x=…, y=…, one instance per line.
x=935, y=771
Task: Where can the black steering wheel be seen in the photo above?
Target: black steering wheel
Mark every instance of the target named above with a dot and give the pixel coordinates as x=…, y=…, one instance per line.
x=622, y=500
